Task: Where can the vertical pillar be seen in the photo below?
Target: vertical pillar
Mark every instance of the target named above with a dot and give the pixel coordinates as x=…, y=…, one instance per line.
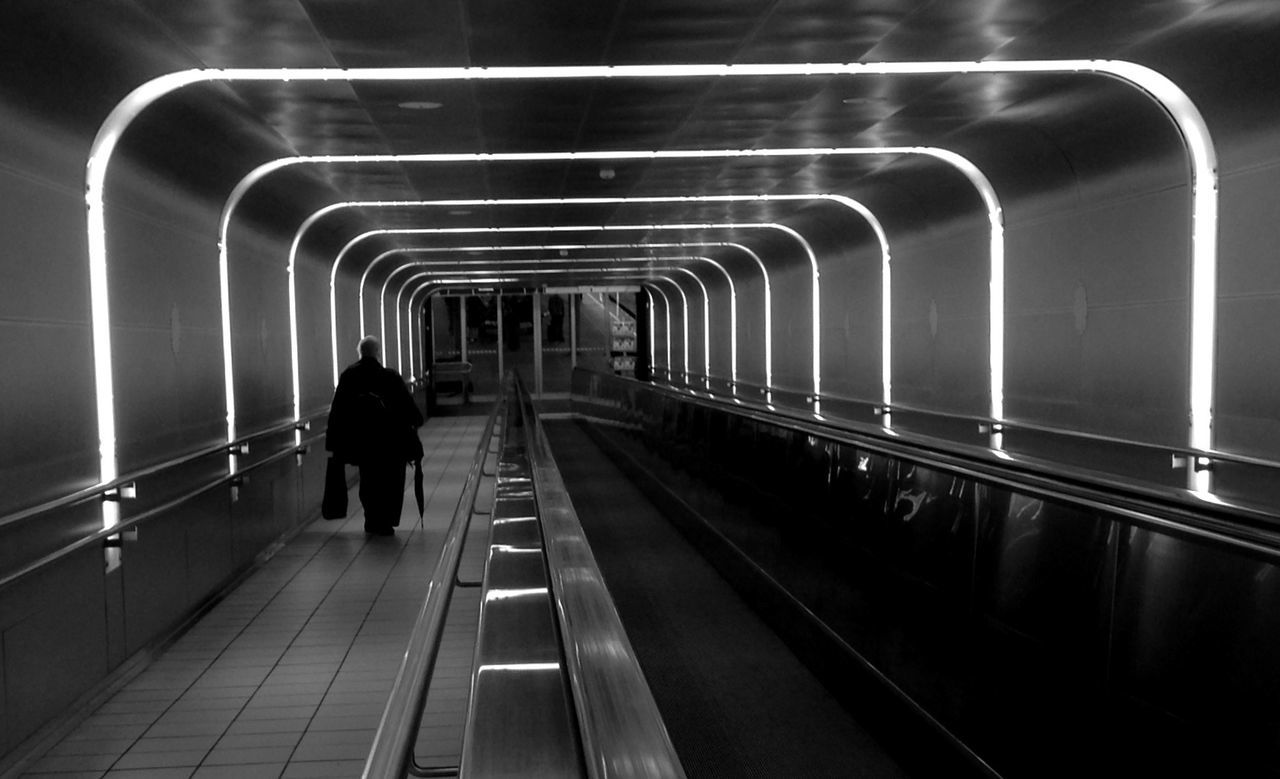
x=429, y=350
x=502, y=341
x=431, y=325
x=537, y=344
x=462, y=327
x=573, y=330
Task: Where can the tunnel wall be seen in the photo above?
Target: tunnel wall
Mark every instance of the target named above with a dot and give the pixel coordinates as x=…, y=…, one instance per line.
x=67, y=628
x=1096, y=336
x=1050, y=635
x=1248, y=407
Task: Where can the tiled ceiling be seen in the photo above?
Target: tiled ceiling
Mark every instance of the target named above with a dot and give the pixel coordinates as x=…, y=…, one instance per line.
x=1030, y=133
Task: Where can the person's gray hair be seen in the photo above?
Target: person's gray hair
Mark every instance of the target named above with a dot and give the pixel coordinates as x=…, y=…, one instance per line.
x=369, y=347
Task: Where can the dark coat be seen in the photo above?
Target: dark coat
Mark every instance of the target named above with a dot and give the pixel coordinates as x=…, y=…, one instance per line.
x=358, y=435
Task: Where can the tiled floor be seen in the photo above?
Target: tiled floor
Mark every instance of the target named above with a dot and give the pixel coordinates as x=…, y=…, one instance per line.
x=288, y=675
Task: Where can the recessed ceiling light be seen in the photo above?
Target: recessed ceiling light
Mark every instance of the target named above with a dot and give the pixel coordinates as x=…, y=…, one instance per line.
x=421, y=105
x=459, y=211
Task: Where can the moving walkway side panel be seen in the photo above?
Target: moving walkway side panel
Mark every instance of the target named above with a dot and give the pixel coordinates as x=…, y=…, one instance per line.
x=1051, y=632
x=520, y=720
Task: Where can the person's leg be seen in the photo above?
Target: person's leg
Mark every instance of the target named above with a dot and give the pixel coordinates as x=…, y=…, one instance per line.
x=381, y=495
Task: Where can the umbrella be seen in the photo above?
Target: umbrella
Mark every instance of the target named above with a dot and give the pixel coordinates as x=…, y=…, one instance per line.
x=417, y=487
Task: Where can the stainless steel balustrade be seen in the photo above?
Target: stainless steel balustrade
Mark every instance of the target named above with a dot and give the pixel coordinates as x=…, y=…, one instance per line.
x=780, y=408
x=520, y=716
x=1245, y=527
x=619, y=723
x=990, y=582
x=392, y=752
x=698, y=383
x=619, y=726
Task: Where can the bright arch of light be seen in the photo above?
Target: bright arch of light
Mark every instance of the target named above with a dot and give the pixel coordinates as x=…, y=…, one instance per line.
x=649, y=264
x=612, y=272
x=804, y=244
x=683, y=245
x=1192, y=128
x=502, y=268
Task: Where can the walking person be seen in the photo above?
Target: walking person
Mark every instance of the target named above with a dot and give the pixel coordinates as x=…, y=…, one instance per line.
x=373, y=425
x=555, y=325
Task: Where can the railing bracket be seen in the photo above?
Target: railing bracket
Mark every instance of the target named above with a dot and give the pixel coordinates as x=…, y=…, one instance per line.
x=127, y=491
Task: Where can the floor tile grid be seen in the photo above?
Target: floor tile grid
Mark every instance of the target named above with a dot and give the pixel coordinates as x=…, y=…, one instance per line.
x=164, y=715
x=339, y=736
x=202, y=697
x=339, y=732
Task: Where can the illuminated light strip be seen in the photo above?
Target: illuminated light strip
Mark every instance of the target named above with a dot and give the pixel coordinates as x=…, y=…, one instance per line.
x=685, y=299
x=843, y=200
x=804, y=244
x=706, y=304
x=511, y=594
x=429, y=286
x=649, y=265
x=499, y=547
x=979, y=181
x=519, y=667
x=666, y=307
x=509, y=520
x=1190, y=124
x=409, y=307
x=564, y=156
x=224, y=288
x=733, y=294
x=942, y=154
x=764, y=272
x=652, y=356
x=975, y=176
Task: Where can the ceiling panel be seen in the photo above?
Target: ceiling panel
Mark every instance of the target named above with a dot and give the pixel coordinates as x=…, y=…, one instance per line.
x=827, y=30
x=566, y=32
x=391, y=33
x=678, y=31
x=1032, y=133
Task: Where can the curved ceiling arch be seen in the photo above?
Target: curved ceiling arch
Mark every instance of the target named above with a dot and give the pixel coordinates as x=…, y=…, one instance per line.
x=466, y=278
x=651, y=262
x=1186, y=117
x=502, y=268
x=805, y=247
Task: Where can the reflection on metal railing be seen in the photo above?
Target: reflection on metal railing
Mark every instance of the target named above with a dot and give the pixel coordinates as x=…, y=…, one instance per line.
x=1177, y=456
x=1248, y=526
x=621, y=728
x=392, y=752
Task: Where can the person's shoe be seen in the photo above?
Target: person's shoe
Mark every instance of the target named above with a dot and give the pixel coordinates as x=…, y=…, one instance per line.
x=379, y=531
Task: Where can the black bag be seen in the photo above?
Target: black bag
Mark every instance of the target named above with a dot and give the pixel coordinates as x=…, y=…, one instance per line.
x=334, y=504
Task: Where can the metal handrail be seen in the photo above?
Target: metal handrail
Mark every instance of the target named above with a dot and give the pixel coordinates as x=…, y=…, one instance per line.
x=619, y=722
x=1218, y=521
x=105, y=488
x=125, y=525
x=391, y=755
x=1005, y=424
